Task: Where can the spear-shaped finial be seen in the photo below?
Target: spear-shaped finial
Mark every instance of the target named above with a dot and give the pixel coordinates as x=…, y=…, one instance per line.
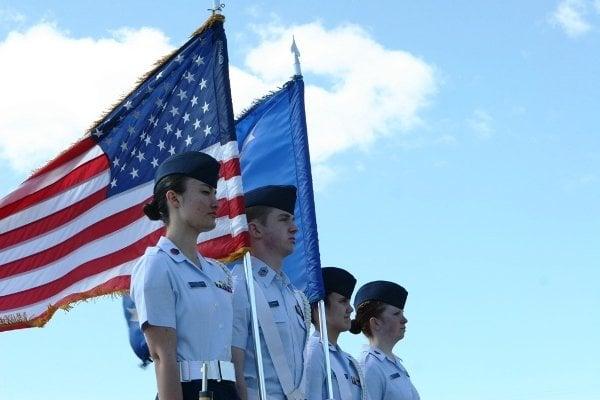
x=296, y=52
x=217, y=7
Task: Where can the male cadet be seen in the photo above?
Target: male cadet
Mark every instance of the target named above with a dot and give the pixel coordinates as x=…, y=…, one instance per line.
x=283, y=311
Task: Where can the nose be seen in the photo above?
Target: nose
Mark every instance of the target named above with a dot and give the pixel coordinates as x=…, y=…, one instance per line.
x=214, y=203
x=404, y=320
x=293, y=227
x=350, y=308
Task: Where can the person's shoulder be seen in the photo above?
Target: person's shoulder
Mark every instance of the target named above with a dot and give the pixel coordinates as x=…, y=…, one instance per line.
x=368, y=357
x=154, y=258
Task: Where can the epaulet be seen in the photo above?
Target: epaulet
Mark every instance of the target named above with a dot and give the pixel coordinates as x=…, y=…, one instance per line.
x=153, y=250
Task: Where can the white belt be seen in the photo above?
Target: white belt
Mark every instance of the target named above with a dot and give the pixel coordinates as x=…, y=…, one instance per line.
x=217, y=370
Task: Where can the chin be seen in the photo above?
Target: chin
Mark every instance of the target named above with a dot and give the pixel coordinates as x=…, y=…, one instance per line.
x=209, y=226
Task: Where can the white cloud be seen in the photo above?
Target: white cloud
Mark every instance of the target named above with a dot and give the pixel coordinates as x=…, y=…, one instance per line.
x=372, y=91
x=481, y=124
x=54, y=86
x=59, y=85
x=570, y=15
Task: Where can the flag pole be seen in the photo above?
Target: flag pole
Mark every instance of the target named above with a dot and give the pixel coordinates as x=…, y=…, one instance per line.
x=262, y=390
x=321, y=304
x=325, y=343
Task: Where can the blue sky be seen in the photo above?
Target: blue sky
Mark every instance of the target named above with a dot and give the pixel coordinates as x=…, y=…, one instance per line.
x=472, y=177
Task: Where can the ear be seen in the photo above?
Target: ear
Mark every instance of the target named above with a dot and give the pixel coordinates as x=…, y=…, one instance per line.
x=375, y=324
x=255, y=230
x=173, y=198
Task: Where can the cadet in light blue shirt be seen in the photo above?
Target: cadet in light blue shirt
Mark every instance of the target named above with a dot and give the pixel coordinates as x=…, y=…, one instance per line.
x=380, y=316
x=282, y=310
x=185, y=301
x=347, y=380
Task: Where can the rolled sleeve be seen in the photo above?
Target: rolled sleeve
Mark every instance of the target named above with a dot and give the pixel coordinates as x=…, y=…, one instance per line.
x=153, y=293
x=241, y=312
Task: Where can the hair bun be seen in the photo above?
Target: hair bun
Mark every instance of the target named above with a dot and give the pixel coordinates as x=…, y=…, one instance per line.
x=151, y=211
x=354, y=327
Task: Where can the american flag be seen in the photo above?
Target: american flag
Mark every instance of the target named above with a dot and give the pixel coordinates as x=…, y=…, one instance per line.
x=75, y=228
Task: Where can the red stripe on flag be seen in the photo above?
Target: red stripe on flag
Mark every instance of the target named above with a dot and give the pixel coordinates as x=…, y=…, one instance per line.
x=91, y=233
x=230, y=168
x=231, y=208
x=224, y=246
x=85, y=270
x=73, y=178
x=51, y=221
x=74, y=151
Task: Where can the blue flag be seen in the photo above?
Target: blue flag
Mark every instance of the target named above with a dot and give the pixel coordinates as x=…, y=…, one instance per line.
x=136, y=337
x=273, y=145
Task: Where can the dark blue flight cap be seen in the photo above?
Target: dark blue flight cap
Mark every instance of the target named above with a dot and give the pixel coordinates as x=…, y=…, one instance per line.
x=388, y=292
x=282, y=197
x=339, y=281
x=193, y=164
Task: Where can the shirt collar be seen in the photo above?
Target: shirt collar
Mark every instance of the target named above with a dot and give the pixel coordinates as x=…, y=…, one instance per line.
x=380, y=355
x=265, y=274
x=166, y=245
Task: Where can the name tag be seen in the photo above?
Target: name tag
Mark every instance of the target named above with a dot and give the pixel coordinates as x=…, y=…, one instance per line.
x=199, y=284
x=394, y=376
x=273, y=303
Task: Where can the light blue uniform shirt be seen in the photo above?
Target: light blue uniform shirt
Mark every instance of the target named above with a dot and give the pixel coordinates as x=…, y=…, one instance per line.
x=170, y=291
x=386, y=378
x=287, y=315
x=316, y=378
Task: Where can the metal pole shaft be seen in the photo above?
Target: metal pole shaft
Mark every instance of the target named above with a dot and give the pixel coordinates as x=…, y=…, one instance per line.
x=204, y=377
x=325, y=342
x=262, y=390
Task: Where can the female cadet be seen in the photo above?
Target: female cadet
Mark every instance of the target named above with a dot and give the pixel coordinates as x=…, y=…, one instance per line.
x=184, y=300
x=380, y=316
x=346, y=374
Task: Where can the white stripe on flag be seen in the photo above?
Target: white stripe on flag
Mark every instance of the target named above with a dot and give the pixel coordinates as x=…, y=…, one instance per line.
x=39, y=182
x=56, y=203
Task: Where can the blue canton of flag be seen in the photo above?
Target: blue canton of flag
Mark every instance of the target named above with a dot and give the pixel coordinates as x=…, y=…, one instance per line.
x=175, y=109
